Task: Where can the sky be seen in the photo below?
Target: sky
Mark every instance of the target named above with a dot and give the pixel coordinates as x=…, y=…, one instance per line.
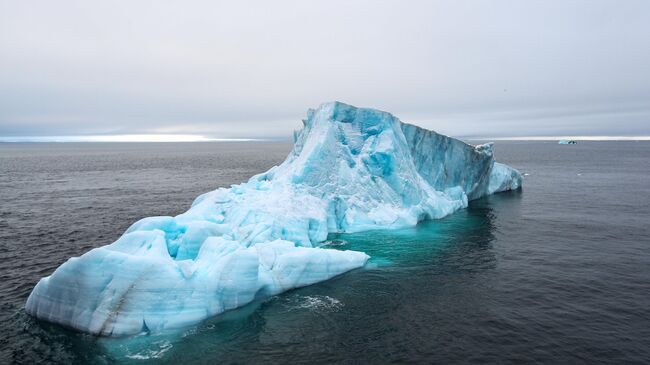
x=251, y=69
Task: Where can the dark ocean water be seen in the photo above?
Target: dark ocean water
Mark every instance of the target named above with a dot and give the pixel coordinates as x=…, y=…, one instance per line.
x=556, y=273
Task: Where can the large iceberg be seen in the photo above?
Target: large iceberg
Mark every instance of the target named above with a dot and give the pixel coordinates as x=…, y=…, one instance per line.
x=351, y=169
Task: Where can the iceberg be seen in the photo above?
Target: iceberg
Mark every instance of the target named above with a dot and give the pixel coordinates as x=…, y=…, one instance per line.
x=351, y=169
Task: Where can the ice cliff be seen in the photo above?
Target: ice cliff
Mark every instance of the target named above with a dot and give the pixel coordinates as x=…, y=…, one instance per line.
x=351, y=169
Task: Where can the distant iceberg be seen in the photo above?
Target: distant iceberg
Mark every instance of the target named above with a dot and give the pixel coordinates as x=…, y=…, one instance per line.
x=351, y=169
x=567, y=141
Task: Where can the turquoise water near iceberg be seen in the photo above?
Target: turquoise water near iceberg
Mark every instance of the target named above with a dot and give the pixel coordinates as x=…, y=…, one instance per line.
x=316, y=313
x=557, y=273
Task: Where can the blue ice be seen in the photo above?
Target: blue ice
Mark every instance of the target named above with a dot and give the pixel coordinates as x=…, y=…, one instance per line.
x=351, y=169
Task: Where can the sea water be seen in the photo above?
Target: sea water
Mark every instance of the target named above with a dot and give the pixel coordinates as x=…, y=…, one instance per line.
x=556, y=273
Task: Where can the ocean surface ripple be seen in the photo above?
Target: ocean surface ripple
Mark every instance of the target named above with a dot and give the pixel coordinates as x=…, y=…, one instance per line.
x=558, y=273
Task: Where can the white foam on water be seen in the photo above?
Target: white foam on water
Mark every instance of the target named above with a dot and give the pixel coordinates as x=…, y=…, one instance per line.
x=163, y=347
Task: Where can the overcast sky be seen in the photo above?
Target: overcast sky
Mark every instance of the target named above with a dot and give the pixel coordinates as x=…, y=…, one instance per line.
x=251, y=69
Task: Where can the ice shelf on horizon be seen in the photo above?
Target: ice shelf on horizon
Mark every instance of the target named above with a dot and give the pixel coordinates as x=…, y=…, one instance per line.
x=351, y=169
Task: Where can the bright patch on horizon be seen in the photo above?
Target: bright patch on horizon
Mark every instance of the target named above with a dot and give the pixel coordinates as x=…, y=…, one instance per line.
x=575, y=138
x=123, y=138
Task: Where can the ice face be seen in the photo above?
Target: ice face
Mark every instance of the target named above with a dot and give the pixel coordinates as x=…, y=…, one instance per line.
x=351, y=169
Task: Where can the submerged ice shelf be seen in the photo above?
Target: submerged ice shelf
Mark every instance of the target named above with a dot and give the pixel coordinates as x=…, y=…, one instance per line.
x=351, y=169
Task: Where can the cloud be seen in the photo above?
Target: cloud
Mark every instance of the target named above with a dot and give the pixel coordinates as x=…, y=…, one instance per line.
x=251, y=69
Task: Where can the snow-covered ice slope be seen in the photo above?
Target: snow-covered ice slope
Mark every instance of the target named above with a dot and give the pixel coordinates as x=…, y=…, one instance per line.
x=351, y=169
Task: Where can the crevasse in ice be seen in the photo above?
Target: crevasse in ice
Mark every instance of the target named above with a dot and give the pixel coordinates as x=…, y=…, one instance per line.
x=351, y=169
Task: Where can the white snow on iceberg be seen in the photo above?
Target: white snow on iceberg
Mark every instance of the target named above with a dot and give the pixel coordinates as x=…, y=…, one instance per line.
x=351, y=169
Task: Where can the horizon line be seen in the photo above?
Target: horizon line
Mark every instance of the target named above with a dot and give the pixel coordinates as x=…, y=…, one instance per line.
x=112, y=138
x=556, y=138
x=200, y=138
